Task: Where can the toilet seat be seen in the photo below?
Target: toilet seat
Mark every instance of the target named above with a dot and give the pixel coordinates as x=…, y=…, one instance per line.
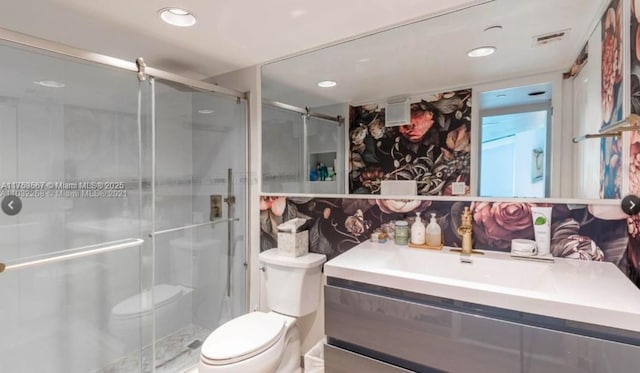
x=140, y=304
x=243, y=338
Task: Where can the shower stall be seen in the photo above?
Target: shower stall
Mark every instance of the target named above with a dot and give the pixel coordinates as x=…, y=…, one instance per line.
x=296, y=142
x=123, y=228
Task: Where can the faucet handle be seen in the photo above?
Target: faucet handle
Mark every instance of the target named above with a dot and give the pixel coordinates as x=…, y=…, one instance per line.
x=466, y=217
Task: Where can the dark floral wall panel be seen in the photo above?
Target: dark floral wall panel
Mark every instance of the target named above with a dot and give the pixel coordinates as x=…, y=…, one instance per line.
x=579, y=63
x=593, y=232
x=611, y=78
x=432, y=149
x=633, y=254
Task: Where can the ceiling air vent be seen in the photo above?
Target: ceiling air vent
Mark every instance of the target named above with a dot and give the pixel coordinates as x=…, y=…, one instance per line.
x=397, y=112
x=550, y=37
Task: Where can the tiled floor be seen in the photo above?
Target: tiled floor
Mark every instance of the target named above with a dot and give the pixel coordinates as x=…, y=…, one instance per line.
x=173, y=354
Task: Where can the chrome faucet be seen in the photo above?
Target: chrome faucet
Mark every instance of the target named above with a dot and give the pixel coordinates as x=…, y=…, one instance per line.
x=465, y=230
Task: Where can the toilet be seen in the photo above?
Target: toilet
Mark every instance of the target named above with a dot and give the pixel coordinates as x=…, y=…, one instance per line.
x=135, y=312
x=268, y=342
x=171, y=301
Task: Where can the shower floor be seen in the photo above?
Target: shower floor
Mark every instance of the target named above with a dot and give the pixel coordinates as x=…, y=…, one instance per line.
x=172, y=354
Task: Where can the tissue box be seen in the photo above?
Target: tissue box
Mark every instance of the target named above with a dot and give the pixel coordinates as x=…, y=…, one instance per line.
x=293, y=244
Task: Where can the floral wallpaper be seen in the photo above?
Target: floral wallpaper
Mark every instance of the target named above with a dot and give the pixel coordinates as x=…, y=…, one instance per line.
x=633, y=254
x=612, y=67
x=579, y=63
x=585, y=232
x=634, y=151
x=432, y=149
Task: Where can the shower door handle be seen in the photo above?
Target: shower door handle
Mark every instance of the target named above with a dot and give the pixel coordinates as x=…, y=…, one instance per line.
x=74, y=253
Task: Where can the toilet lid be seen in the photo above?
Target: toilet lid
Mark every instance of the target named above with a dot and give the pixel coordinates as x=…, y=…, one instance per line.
x=243, y=337
x=141, y=303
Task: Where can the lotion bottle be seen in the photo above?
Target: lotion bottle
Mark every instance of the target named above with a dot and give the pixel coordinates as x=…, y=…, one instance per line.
x=417, y=231
x=434, y=233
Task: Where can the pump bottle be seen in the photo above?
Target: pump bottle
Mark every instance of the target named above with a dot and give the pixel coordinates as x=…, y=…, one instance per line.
x=417, y=231
x=433, y=232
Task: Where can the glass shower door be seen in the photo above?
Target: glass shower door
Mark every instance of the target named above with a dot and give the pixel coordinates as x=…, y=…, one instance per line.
x=72, y=231
x=199, y=194
x=301, y=153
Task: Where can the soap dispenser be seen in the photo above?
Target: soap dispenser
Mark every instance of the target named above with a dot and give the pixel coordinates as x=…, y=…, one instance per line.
x=434, y=233
x=417, y=231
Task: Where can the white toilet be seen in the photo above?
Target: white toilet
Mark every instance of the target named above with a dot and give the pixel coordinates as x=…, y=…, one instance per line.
x=260, y=342
x=172, y=301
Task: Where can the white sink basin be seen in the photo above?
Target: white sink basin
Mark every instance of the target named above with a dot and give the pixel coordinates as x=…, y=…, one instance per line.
x=585, y=291
x=484, y=271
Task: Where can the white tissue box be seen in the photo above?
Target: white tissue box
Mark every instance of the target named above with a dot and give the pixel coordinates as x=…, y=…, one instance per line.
x=293, y=244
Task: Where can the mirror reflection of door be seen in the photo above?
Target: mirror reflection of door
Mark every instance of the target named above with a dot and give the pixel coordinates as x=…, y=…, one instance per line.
x=514, y=141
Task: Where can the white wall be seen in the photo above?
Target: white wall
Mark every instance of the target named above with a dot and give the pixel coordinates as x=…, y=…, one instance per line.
x=525, y=142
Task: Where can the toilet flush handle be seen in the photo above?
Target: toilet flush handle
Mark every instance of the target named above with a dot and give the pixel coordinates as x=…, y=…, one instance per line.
x=262, y=269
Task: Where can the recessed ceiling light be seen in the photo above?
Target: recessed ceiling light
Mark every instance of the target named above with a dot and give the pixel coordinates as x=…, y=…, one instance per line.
x=327, y=84
x=366, y=59
x=501, y=95
x=481, y=51
x=205, y=111
x=177, y=17
x=49, y=83
x=297, y=13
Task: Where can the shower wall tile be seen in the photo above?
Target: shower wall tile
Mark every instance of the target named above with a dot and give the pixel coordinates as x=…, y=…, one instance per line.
x=90, y=143
x=127, y=146
x=8, y=140
x=9, y=244
x=39, y=158
x=40, y=146
x=173, y=134
x=173, y=158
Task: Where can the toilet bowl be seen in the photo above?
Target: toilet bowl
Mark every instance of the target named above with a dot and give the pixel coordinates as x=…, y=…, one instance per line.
x=172, y=302
x=259, y=342
x=134, y=314
x=254, y=342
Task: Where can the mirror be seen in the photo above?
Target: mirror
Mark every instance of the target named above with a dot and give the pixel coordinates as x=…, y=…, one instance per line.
x=497, y=126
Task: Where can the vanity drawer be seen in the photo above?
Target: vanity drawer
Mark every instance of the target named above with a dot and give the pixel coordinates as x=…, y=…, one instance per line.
x=424, y=337
x=338, y=360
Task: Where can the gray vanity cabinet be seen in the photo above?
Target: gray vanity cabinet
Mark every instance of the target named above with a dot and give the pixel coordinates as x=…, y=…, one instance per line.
x=385, y=330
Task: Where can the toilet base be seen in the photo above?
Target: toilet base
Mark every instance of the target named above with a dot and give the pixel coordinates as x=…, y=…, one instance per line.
x=290, y=362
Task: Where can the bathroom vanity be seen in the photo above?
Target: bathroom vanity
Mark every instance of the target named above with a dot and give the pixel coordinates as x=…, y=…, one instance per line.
x=390, y=308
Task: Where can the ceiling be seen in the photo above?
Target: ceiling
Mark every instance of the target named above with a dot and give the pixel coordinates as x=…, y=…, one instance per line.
x=229, y=35
x=431, y=55
x=510, y=97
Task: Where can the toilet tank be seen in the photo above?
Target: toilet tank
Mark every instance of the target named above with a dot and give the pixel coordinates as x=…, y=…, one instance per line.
x=292, y=285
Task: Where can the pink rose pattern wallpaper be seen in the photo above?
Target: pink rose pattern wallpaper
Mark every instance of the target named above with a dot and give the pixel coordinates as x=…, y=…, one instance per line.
x=633, y=223
x=579, y=63
x=612, y=67
x=578, y=231
x=433, y=149
x=634, y=151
